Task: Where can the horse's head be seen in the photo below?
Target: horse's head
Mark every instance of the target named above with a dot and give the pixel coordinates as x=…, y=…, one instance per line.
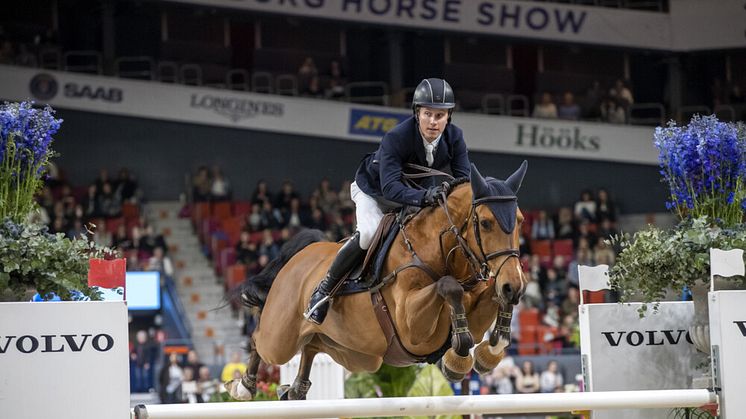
x=495, y=224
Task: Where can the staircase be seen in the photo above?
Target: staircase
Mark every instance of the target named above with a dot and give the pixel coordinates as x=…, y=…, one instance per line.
x=215, y=333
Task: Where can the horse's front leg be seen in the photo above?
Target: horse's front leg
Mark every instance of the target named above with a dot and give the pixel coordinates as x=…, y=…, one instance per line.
x=489, y=353
x=457, y=361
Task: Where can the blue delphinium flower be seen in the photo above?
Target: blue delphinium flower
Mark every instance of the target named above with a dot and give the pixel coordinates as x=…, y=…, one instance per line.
x=704, y=165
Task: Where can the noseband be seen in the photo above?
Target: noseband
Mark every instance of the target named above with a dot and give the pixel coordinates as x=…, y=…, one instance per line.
x=478, y=264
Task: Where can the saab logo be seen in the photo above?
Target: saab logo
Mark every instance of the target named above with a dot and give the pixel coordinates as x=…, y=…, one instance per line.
x=741, y=326
x=78, y=91
x=27, y=344
x=648, y=337
x=236, y=109
x=535, y=136
x=364, y=122
x=43, y=86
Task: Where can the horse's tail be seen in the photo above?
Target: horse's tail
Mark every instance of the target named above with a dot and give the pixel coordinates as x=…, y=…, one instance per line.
x=254, y=291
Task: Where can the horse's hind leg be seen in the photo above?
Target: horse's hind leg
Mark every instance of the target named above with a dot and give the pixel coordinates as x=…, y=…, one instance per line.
x=300, y=386
x=457, y=361
x=245, y=388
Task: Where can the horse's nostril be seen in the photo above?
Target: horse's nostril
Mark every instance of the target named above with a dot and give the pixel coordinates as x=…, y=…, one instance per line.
x=508, y=291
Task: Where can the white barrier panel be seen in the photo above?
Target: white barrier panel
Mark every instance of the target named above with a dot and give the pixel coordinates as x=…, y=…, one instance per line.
x=413, y=406
x=621, y=351
x=728, y=345
x=64, y=360
x=327, y=376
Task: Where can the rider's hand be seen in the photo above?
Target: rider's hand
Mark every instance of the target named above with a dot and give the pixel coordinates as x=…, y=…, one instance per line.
x=432, y=196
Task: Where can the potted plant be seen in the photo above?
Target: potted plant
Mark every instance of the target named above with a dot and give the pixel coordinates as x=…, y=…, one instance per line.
x=31, y=259
x=704, y=165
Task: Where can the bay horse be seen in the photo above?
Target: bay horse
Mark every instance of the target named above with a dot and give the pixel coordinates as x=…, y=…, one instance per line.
x=453, y=271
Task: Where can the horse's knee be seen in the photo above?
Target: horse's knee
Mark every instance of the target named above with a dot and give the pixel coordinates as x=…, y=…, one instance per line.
x=450, y=289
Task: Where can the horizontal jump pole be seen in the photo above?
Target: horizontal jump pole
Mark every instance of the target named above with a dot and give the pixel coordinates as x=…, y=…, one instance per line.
x=412, y=406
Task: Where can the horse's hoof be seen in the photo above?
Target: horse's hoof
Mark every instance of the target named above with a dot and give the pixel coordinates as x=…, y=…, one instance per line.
x=454, y=367
x=237, y=390
x=282, y=391
x=485, y=359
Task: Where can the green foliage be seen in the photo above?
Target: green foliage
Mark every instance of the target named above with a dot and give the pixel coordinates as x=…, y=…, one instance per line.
x=31, y=258
x=654, y=261
x=400, y=382
x=689, y=413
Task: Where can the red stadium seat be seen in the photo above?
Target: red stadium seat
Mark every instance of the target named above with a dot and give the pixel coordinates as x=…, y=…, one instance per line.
x=222, y=210
x=235, y=275
x=564, y=248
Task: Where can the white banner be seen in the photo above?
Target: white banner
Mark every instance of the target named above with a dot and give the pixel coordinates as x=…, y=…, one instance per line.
x=550, y=21
x=320, y=118
x=728, y=344
x=64, y=360
x=621, y=351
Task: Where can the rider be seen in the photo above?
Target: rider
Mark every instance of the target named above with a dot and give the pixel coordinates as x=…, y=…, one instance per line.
x=427, y=138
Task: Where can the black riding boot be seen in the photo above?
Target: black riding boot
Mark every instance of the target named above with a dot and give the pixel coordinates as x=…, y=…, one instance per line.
x=347, y=257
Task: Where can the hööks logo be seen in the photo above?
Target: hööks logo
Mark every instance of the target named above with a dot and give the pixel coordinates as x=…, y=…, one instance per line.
x=43, y=86
x=236, y=109
x=27, y=344
x=536, y=136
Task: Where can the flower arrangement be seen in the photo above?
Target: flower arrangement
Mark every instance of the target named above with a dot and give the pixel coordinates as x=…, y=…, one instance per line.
x=704, y=165
x=31, y=259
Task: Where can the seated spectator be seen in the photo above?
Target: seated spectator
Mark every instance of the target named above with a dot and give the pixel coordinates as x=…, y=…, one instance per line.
x=612, y=111
x=295, y=217
x=231, y=367
x=551, y=379
x=565, y=225
x=120, y=240
x=170, y=380
x=337, y=81
x=346, y=205
x=584, y=236
x=585, y=208
x=532, y=297
x=261, y=193
x=546, y=107
x=286, y=194
x=604, y=252
x=193, y=363
x=568, y=109
x=605, y=207
x=543, y=227
x=592, y=101
x=77, y=230
x=606, y=230
x=160, y=262
x=313, y=89
x=571, y=302
x=246, y=250
x=7, y=56
x=326, y=196
x=499, y=380
x=189, y=386
x=268, y=246
x=254, y=219
x=201, y=184
x=306, y=72
x=622, y=94
x=108, y=202
x=206, y=385
x=220, y=189
x=527, y=380
x=90, y=203
x=126, y=186
x=269, y=218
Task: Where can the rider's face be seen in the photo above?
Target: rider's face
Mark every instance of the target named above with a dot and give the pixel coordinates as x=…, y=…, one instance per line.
x=432, y=122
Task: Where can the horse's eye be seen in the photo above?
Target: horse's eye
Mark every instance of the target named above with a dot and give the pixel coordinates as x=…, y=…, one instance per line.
x=486, y=225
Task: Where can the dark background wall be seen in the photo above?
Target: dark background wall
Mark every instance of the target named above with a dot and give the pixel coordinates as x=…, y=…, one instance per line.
x=161, y=153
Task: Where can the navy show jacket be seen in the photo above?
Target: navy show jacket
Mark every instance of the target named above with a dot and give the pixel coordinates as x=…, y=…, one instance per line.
x=380, y=174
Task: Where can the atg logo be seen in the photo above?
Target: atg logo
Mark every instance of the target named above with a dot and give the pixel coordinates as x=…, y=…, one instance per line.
x=43, y=86
x=364, y=122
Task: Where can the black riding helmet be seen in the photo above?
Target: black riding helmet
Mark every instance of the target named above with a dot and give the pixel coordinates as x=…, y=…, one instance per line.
x=433, y=93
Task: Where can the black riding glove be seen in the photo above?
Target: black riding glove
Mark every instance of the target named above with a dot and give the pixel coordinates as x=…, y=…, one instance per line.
x=432, y=196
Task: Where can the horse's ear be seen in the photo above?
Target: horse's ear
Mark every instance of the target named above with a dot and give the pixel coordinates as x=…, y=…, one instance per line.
x=515, y=180
x=478, y=185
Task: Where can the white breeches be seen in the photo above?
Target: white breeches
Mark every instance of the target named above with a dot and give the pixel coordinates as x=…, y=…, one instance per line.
x=368, y=212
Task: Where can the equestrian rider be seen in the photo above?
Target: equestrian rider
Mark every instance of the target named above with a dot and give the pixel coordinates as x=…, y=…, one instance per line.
x=427, y=138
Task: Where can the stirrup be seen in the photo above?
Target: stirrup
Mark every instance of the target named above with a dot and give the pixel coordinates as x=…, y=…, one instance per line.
x=321, y=302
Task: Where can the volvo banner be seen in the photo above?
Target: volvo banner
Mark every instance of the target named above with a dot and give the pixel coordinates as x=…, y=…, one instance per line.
x=64, y=359
x=621, y=351
x=320, y=118
x=728, y=345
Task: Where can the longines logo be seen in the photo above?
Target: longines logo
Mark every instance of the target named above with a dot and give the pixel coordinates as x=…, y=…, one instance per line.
x=648, y=337
x=741, y=326
x=27, y=344
x=236, y=109
x=536, y=136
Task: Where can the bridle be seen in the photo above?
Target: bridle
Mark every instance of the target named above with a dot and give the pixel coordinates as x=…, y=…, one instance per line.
x=479, y=265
